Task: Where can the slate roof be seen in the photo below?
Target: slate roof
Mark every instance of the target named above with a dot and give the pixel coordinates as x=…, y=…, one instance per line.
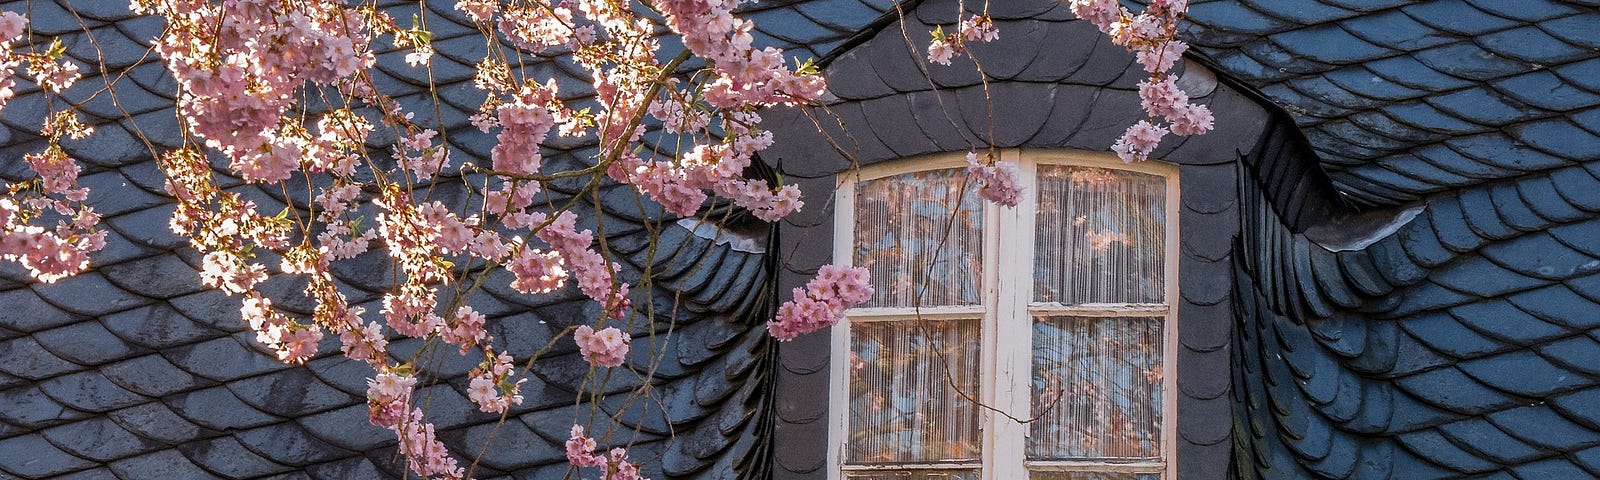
x=1457, y=338
x=133, y=371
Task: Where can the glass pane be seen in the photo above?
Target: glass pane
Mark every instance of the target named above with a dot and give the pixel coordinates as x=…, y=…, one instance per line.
x=1093, y=476
x=1100, y=236
x=1096, y=388
x=900, y=223
x=905, y=406
x=962, y=474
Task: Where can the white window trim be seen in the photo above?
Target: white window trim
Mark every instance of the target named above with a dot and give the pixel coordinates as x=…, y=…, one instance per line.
x=1006, y=363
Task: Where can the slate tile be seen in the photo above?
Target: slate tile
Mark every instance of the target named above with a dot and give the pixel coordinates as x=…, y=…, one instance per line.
x=851, y=76
x=1531, y=45
x=217, y=408
x=1523, y=372
x=288, y=444
x=27, y=312
x=1575, y=236
x=89, y=293
x=1469, y=61
x=1421, y=115
x=1487, y=441
x=843, y=15
x=150, y=375
x=89, y=391
x=1550, y=468
x=1483, y=106
x=1558, y=137
x=347, y=428
x=1234, y=17
x=221, y=359
x=1541, y=426
x=1431, y=445
x=1545, y=90
x=1503, y=321
x=1578, y=406
x=110, y=193
x=25, y=358
x=33, y=457
x=1408, y=71
x=1026, y=105
x=1541, y=196
x=161, y=276
x=157, y=326
x=1577, y=29
x=355, y=467
x=1576, y=186
x=1394, y=29
x=509, y=447
x=85, y=343
x=290, y=392
x=1530, y=11
x=1328, y=43
x=1443, y=333
x=1300, y=12
x=98, y=439
x=1481, y=277
x=226, y=456
x=1458, y=17
x=30, y=408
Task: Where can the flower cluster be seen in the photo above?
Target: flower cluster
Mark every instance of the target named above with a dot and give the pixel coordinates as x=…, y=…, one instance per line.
x=491, y=386
x=1150, y=36
x=282, y=92
x=1000, y=184
x=580, y=453
x=822, y=303
x=945, y=46
x=605, y=348
x=389, y=406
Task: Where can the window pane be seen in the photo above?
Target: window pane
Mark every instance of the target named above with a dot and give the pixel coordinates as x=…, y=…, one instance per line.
x=1100, y=236
x=1096, y=388
x=963, y=474
x=1093, y=476
x=900, y=222
x=904, y=406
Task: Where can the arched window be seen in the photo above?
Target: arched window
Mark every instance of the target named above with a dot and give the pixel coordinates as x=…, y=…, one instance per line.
x=1028, y=342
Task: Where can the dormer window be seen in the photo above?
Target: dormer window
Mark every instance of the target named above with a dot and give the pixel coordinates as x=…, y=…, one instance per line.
x=1007, y=343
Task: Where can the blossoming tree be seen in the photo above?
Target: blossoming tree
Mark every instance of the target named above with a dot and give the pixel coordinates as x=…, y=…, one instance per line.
x=282, y=92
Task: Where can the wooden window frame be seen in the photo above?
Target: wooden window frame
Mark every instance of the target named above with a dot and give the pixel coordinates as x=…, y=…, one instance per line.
x=1006, y=363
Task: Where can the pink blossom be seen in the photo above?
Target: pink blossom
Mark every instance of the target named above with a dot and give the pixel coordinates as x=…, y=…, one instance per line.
x=940, y=52
x=979, y=29
x=1000, y=183
x=823, y=302
x=605, y=348
x=1138, y=141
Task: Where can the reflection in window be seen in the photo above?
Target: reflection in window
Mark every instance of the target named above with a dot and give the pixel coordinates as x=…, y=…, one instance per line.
x=901, y=222
x=1100, y=236
x=1096, y=388
x=904, y=403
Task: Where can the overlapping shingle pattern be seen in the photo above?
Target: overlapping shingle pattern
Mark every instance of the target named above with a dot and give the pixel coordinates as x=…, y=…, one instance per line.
x=1461, y=341
x=133, y=370
x=1406, y=98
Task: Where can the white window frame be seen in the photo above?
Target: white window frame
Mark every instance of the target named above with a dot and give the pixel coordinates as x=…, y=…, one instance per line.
x=1006, y=363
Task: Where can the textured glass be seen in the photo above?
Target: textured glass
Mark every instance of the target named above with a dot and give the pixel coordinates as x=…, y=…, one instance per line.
x=942, y=474
x=1093, y=476
x=905, y=406
x=1096, y=388
x=1100, y=236
x=901, y=226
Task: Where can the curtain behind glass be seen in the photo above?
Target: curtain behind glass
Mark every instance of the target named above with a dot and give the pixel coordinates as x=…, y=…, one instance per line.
x=900, y=221
x=903, y=406
x=1096, y=388
x=1100, y=236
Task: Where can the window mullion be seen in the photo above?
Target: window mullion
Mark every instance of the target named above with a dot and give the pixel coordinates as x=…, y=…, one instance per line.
x=1013, y=346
